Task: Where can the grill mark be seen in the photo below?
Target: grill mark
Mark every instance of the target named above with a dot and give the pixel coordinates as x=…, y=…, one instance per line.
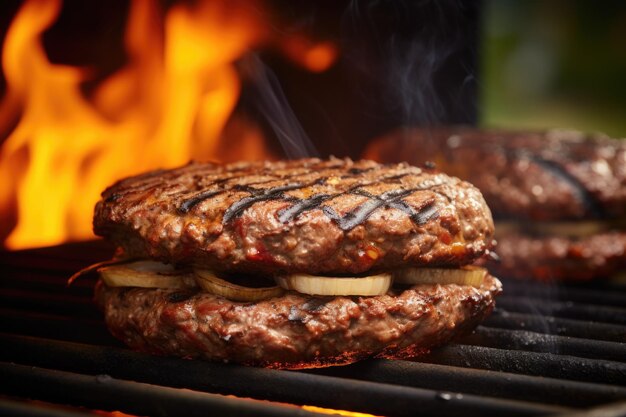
x=221, y=181
x=277, y=178
x=347, y=222
x=178, y=297
x=290, y=213
x=124, y=190
x=394, y=178
x=113, y=197
x=256, y=195
x=150, y=181
x=354, y=218
x=191, y=202
x=352, y=172
x=588, y=200
x=425, y=185
x=357, y=216
x=287, y=214
x=247, y=187
x=425, y=214
x=324, y=172
x=391, y=199
x=421, y=217
x=581, y=193
x=357, y=188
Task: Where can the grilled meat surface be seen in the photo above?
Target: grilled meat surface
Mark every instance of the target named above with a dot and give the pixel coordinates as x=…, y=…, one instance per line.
x=314, y=216
x=295, y=330
x=533, y=178
x=560, y=257
x=552, y=175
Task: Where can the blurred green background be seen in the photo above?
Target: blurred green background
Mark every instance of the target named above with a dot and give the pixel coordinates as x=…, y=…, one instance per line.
x=554, y=63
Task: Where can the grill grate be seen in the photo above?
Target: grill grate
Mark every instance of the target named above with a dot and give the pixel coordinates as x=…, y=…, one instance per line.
x=547, y=350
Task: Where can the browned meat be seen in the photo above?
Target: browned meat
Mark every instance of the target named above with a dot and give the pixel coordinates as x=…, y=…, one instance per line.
x=296, y=330
x=316, y=216
x=554, y=175
x=560, y=258
x=535, y=178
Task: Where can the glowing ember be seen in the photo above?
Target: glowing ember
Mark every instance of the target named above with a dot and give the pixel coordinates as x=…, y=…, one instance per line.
x=170, y=103
x=335, y=412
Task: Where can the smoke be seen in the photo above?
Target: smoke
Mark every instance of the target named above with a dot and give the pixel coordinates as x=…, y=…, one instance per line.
x=265, y=94
x=401, y=63
x=405, y=46
x=411, y=79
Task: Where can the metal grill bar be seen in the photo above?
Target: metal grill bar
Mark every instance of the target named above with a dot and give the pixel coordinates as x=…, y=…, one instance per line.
x=613, y=410
x=291, y=387
x=478, y=381
x=52, y=303
x=565, y=309
x=575, y=357
x=530, y=363
x=20, y=409
x=56, y=327
x=38, y=282
x=557, y=326
x=94, y=331
x=546, y=343
x=577, y=294
x=106, y=393
x=57, y=260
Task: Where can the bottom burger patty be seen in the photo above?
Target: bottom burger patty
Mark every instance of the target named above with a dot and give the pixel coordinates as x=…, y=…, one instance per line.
x=554, y=258
x=295, y=330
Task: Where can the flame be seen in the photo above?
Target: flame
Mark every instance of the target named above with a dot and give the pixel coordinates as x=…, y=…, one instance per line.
x=316, y=57
x=169, y=104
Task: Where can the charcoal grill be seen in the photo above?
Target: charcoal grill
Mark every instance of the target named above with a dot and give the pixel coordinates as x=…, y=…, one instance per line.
x=546, y=350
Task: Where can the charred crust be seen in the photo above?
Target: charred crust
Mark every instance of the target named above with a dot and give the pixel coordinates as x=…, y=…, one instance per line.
x=178, y=297
x=303, y=214
x=296, y=331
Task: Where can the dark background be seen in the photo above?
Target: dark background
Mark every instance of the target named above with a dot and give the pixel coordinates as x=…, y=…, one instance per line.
x=399, y=62
x=507, y=63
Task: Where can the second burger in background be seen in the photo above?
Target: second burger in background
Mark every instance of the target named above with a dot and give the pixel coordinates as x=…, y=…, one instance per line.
x=558, y=197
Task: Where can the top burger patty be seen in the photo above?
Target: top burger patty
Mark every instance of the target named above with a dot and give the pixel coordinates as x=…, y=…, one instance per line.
x=311, y=215
x=551, y=175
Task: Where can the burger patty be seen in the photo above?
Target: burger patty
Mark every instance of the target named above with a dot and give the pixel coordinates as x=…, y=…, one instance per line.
x=315, y=216
x=295, y=330
x=552, y=175
x=558, y=258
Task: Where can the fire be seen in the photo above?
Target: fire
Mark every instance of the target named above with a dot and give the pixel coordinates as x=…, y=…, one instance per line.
x=316, y=57
x=170, y=103
x=331, y=411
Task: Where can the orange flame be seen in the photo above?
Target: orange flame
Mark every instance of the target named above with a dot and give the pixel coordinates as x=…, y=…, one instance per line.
x=316, y=57
x=169, y=104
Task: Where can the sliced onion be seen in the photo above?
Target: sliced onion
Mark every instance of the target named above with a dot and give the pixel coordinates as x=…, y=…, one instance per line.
x=467, y=275
x=210, y=282
x=95, y=267
x=317, y=285
x=146, y=274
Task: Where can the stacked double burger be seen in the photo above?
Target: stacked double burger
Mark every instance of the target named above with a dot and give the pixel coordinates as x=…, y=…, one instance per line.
x=558, y=197
x=294, y=264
